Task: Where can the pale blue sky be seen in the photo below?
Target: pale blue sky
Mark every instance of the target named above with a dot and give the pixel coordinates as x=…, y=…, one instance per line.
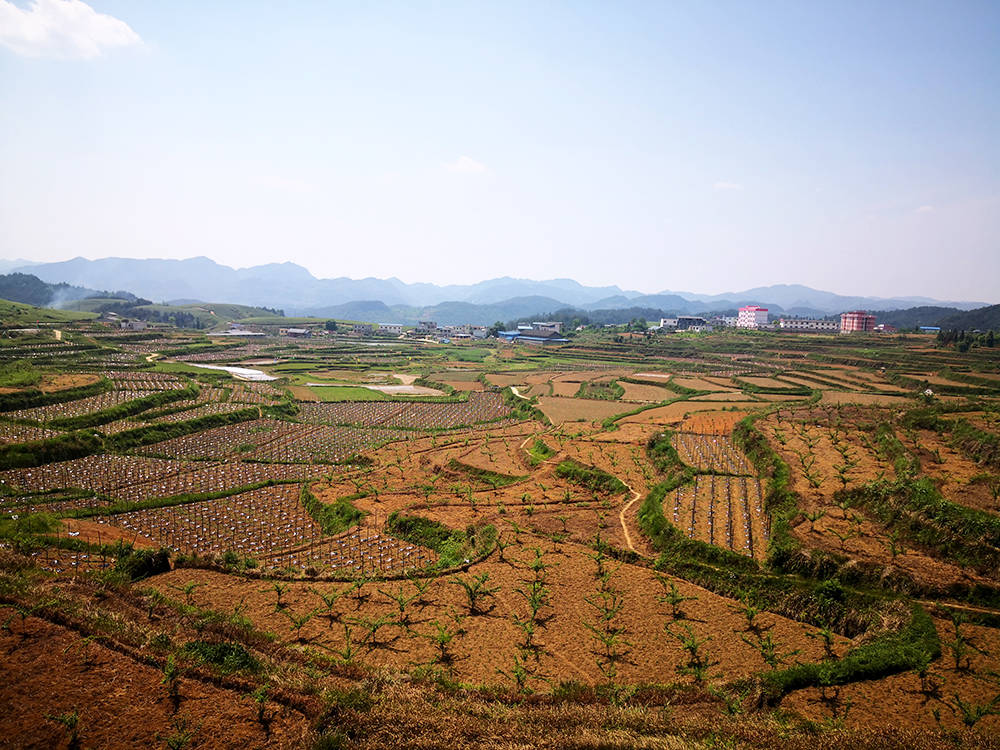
x=850, y=146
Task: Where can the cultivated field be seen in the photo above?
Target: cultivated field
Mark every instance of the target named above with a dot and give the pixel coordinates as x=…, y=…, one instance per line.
x=643, y=543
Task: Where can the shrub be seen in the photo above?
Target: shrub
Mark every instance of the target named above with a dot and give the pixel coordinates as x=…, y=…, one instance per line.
x=143, y=563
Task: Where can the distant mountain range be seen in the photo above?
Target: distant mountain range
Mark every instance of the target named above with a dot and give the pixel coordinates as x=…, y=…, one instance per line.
x=295, y=290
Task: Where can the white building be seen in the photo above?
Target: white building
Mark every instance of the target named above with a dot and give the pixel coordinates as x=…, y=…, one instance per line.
x=752, y=316
x=668, y=322
x=550, y=325
x=390, y=328
x=803, y=324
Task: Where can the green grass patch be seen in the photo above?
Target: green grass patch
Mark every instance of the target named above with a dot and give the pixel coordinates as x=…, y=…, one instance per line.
x=19, y=374
x=453, y=547
x=914, y=647
x=595, y=480
x=332, y=518
x=611, y=391
x=225, y=657
x=492, y=479
x=539, y=451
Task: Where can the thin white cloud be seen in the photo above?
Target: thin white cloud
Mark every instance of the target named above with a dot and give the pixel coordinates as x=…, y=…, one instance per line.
x=62, y=29
x=467, y=165
x=925, y=210
x=727, y=186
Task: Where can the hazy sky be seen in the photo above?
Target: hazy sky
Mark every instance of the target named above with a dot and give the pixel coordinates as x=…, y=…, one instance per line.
x=688, y=145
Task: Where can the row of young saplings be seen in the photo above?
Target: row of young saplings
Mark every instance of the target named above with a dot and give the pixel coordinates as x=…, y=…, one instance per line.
x=80, y=406
x=480, y=407
x=135, y=479
x=270, y=526
x=710, y=452
x=274, y=441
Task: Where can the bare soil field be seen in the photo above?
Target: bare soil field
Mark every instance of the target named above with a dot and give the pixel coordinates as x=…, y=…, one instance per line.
x=838, y=397
x=646, y=393
x=48, y=671
x=560, y=409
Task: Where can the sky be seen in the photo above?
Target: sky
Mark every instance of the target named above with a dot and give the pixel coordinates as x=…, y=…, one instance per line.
x=852, y=146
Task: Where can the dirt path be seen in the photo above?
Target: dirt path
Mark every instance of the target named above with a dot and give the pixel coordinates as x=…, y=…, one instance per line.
x=621, y=517
x=513, y=389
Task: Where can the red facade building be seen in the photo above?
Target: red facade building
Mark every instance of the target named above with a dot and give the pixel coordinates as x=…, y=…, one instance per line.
x=858, y=320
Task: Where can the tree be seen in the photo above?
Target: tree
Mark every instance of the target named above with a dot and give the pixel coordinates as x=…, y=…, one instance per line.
x=495, y=328
x=330, y=325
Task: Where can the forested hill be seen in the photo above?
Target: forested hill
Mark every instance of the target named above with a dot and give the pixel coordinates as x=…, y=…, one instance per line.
x=983, y=319
x=31, y=290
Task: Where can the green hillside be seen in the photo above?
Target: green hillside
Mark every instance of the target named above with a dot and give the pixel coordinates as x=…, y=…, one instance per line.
x=14, y=314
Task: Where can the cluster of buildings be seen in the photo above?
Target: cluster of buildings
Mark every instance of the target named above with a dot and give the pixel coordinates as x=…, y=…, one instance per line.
x=430, y=329
x=755, y=317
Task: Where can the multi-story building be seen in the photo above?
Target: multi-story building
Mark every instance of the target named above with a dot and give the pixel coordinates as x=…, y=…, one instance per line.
x=751, y=316
x=803, y=324
x=390, y=328
x=856, y=321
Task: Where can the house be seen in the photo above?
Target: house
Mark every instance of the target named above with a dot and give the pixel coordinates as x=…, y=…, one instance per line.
x=752, y=317
x=426, y=326
x=393, y=329
x=132, y=325
x=856, y=321
x=668, y=322
x=363, y=329
x=298, y=333
x=885, y=328
x=687, y=322
x=806, y=324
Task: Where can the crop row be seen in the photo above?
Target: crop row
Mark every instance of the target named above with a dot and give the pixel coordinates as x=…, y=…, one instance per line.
x=361, y=552
x=11, y=432
x=80, y=406
x=721, y=510
x=273, y=440
x=481, y=407
x=135, y=479
x=256, y=523
x=710, y=452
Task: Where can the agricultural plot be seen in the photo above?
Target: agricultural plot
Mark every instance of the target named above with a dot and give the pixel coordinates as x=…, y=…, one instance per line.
x=560, y=410
x=710, y=452
x=252, y=524
x=726, y=511
x=137, y=479
x=481, y=407
x=587, y=577
x=11, y=432
x=80, y=406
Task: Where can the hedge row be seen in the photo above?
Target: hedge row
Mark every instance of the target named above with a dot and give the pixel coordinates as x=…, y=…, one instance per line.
x=452, y=546
x=914, y=647
x=593, y=479
x=32, y=397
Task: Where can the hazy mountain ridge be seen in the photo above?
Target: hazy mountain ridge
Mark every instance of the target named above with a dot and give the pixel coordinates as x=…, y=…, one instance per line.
x=293, y=288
